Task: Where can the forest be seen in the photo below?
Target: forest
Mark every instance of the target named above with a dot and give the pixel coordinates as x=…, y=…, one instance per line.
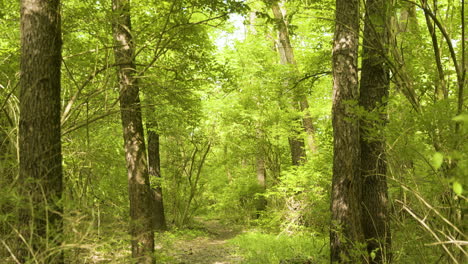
x=233, y=131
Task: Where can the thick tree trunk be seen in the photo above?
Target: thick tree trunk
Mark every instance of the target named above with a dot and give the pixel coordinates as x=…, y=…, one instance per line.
x=154, y=166
x=40, y=168
x=373, y=91
x=346, y=229
x=141, y=198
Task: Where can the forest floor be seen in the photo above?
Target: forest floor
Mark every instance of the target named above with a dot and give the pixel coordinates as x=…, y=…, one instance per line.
x=210, y=249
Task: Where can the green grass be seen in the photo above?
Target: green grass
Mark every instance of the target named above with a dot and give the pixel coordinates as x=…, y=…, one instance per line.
x=259, y=248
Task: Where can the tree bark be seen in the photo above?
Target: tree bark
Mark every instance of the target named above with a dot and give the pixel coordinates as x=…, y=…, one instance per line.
x=346, y=229
x=139, y=190
x=40, y=168
x=374, y=89
x=154, y=167
x=299, y=100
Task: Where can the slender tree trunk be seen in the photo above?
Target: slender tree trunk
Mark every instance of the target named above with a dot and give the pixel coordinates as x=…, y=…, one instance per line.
x=408, y=25
x=252, y=18
x=441, y=91
x=154, y=166
x=463, y=67
x=40, y=168
x=299, y=100
x=141, y=198
x=308, y=125
x=261, y=201
x=261, y=180
x=374, y=90
x=346, y=229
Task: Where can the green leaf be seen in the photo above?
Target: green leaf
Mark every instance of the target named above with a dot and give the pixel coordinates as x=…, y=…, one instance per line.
x=457, y=188
x=437, y=160
x=373, y=255
x=461, y=118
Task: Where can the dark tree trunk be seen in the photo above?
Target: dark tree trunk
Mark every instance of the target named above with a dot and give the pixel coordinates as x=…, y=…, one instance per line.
x=154, y=166
x=40, y=168
x=296, y=146
x=139, y=190
x=373, y=91
x=346, y=229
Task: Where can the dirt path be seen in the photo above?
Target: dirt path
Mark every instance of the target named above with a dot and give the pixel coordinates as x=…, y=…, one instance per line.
x=212, y=249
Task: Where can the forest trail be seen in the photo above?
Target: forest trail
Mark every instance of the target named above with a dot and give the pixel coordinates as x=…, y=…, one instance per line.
x=211, y=249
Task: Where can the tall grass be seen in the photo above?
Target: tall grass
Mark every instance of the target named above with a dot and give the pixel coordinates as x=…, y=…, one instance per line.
x=259, y=248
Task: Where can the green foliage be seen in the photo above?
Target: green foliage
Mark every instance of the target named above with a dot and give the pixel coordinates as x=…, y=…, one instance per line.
x=300, y=199
x=437, y=160
x=237, y=201
x=259, y=248
x=213, y=87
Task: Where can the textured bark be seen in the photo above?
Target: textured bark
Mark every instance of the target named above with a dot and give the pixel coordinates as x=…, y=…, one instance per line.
x=139, y=190
x=154, y=167
x=346, y=229
x=40, y=168
x=374, y=88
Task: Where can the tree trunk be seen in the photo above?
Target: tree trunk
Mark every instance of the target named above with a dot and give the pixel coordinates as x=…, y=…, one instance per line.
x=408, y=18
x=299, y=101
x=408, y=25
x=40, y=168
x=308, y=124
x=374, y=90
x=261, y=180
x=346, y=229
x=138, y=180
x=154, y=166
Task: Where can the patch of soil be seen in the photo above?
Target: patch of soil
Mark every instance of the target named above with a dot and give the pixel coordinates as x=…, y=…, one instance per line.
x=213, y=249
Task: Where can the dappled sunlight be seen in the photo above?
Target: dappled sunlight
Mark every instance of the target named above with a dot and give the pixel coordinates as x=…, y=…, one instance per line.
x=233, y=132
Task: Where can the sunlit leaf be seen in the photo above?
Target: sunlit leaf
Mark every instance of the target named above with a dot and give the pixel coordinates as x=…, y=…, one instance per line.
x=461, y=118
x=437, y=160
x=457, y=188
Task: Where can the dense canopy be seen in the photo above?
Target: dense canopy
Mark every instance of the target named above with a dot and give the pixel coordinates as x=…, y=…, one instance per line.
x=229, y=131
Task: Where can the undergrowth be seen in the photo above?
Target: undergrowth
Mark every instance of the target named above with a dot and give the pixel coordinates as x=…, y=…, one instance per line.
x=260, y=248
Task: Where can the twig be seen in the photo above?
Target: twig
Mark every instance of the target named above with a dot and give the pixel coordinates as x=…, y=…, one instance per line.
x=428, y=228
x=11, y=253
